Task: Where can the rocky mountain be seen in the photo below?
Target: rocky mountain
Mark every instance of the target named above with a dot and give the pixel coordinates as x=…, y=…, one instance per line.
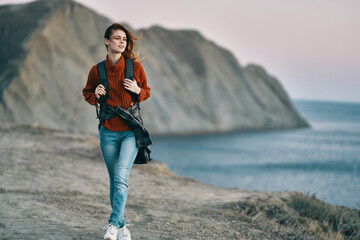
x=48, y=47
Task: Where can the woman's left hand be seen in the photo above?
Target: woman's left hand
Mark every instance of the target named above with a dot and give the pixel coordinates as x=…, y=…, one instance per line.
x=131, y=86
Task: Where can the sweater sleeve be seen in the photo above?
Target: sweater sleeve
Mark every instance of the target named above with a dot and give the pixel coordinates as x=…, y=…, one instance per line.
x=92, y=82
x=142, y=83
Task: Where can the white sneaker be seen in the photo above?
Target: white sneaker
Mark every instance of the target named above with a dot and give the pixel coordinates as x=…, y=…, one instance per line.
x=111, y=233
x=124, y=234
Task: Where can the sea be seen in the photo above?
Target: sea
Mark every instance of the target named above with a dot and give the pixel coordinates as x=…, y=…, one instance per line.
x=322, y=160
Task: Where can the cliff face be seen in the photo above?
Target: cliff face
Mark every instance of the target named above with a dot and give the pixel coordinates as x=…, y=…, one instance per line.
x=195, y=85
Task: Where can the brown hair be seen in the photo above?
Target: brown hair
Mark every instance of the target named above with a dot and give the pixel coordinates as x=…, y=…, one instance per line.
x=130, y=40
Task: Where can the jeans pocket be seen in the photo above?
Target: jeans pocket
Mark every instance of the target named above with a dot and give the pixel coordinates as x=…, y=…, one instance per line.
x=103, y=130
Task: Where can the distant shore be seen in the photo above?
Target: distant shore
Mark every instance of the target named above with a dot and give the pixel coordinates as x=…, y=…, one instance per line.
x=230, y=131
x=54, y=185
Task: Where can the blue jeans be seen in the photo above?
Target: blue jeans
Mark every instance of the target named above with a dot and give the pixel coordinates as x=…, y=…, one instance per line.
x=119, y=151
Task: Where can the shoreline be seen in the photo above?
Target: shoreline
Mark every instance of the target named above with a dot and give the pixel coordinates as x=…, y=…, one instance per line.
x=226, y=132
x=179, y=134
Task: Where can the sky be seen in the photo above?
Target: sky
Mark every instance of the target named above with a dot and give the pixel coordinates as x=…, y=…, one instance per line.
x=311, y=47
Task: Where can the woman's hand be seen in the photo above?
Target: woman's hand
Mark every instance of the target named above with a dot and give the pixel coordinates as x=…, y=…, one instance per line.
x=99, y=90
x=131, y=86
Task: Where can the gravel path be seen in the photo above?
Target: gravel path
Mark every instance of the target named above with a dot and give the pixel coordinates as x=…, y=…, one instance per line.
x=54, y=185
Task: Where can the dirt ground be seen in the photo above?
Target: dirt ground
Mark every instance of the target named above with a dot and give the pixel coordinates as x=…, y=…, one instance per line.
x=54, y=185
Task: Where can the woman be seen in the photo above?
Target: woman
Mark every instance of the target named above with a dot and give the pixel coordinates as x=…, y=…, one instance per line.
x=117, y=141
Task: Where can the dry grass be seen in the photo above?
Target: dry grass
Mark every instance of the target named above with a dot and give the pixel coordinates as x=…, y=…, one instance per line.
x=342, y=221
x=299, y=217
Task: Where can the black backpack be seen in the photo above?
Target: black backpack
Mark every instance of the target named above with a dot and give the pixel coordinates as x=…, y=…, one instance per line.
x=143, y=155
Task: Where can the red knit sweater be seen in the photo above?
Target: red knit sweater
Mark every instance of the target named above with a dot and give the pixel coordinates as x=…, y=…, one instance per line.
x=117, y=94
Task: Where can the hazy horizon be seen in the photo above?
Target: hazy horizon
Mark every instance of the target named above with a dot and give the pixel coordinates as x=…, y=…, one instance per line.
x=310, y=47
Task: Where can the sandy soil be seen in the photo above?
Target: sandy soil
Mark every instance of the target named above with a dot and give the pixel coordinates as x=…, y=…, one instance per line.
x=54, y=185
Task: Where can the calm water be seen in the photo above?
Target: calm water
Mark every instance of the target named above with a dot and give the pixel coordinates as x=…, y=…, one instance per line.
x=323, y=159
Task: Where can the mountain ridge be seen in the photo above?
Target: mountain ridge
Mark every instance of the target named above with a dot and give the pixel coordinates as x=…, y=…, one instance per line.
x=196, y=85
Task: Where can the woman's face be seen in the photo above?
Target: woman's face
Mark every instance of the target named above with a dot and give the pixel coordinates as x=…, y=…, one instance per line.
x=117, y=42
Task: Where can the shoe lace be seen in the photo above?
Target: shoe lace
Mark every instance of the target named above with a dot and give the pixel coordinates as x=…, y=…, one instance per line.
x=124, y=231
x=107, y=226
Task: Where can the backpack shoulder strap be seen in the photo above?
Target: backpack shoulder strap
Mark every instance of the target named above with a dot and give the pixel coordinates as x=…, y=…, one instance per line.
x=129, y=73
x=103, y=80
x=129, y=68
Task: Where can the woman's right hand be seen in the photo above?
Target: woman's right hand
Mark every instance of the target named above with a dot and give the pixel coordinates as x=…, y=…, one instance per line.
x=99, y=90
